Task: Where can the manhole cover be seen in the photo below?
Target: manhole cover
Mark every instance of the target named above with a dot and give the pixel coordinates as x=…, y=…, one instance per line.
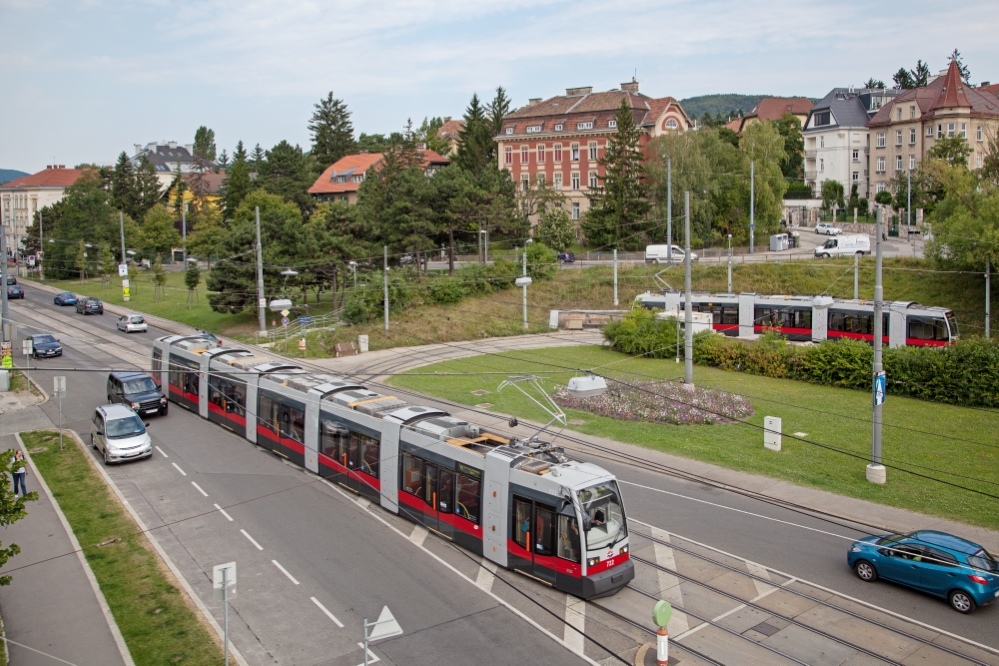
x=484, y=405
x=480, y=392
x=766, y=629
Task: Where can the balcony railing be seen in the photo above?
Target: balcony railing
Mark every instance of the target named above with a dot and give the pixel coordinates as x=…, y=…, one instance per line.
x=810, y=154
x=809, y=175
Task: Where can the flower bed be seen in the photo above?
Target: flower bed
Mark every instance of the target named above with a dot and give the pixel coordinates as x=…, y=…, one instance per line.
x=660, y=402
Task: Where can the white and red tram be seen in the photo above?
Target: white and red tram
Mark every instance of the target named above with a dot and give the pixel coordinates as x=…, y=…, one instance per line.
x=522, y=504
x=806, y=318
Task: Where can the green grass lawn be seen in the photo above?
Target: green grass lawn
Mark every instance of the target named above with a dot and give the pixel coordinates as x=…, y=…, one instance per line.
x=159, y=625
x=830, y=416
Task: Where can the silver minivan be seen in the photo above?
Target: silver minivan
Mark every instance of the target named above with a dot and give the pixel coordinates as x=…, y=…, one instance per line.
x=119, y=433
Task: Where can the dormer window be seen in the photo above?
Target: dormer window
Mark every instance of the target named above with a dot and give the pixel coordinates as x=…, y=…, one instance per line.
x=558, y=127
x=612, y=124
x=584, y=126
x=821, y=119
x=341, y=179
x=671, y=124
x=533, y=129
x=509, y=130
x=358, y=178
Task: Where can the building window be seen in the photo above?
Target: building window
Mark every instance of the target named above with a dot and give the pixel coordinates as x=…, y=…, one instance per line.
x=558, y=127
x=898, y=137
x=558, y=152
x=575, y=152
x=881, y=165
x=584, y=126
x=979, y=132
x=575, y=210
x=822, y=166
x=898, y=163
x=525, y=182
x=822, y=142
x=900, y=113
x=523, y=155
x=593, y=180
x=912, y=162
x=612, y=124
x=856, y=156
x=881, y=140
x=820, y=119
x=939, y=131
x=558, y=181
x=541, y=180
x=574, y=179
x=671, y=124
x=508, y=155
x=880, y=187
x=978, y=161
x=593, y=151
x=533, y=129
x=929, y=130
x=912, y=111
x=856, y=176
x=950, y=129
x=964, y=130
x=541, y=154
x=912, y=137
x=509, y=130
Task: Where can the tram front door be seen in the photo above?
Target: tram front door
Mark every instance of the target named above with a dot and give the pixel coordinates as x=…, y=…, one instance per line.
x=534, y=532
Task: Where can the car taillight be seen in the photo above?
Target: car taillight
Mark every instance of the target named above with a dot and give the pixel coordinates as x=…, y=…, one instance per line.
x=978, y=579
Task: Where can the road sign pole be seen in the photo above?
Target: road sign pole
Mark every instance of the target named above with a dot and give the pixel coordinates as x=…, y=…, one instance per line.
x=261, y=300
x=688, y=313
x=661, y=614
x=856, y=276
x=385, y=280
x=752, y=204
x=876, y=471
x=615, y=277
x=669, y=212
x=3, y=292
x=988, y=297
x=225, y=604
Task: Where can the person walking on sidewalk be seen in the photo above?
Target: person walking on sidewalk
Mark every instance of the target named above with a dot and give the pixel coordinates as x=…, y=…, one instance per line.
x=19, y=473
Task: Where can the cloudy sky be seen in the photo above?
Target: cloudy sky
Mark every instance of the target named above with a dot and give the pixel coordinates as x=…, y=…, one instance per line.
x=84, y=80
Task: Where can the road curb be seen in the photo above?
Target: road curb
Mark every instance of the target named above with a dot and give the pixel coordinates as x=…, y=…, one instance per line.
x=112, y=625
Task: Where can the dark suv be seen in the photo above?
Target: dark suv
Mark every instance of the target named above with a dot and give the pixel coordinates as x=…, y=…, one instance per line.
x=138, y=391
x=89, y=305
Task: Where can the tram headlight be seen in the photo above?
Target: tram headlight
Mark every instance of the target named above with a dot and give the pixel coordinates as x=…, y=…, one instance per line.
x=624, y=549
x=593, y=561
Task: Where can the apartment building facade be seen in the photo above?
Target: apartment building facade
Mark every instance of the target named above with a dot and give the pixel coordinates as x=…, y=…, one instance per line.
x=560, y=141
x=21, y=198
x=903, y=131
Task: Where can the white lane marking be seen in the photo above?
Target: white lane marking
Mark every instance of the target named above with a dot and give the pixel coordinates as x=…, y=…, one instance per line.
x=419, y=535
x=179, y=469
x=791, y=578
x=328, y=614
x=259, y=547
x=283, y=570
x=372, y=657
x=486, y=575
x=162, y=452
x=223, y=512
x=199, y=489
x=575, y=624
x=669, y=584
x=759, y=572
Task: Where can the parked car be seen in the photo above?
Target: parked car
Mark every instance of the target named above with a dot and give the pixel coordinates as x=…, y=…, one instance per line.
x=658, y=254
x=11, y=279
x=119, y=434
x=944, y=565
x=45, y=344
x=138, y=391
x=65, y=298
x=827, y=228
x=132, y=324
x=566, y=257
x=89, y=305
x=848, y=245
x=15, y=291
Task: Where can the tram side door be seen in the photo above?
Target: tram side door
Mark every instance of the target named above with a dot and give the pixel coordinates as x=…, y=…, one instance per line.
x=534, y=532
x=438, y=498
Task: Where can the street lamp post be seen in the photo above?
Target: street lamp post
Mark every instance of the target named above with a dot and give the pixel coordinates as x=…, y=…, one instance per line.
x=752, y=204
x=730, y=263
x=485, y=237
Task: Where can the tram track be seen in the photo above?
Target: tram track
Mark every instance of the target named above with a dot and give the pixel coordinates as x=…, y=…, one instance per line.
x=784, y=588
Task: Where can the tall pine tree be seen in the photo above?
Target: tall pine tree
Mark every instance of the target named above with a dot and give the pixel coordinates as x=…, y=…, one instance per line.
x=475, y=140
x=619, y=206
x=332, y=131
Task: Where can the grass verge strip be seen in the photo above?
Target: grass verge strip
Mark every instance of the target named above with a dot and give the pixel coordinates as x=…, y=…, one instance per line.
x=159, y=624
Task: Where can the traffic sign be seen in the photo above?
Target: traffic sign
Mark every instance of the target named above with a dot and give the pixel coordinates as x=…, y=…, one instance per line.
x=284, y=321
x=230, y=579
x=27, y=346
x=59, y=386
x=304, y=320
x=122, y=270
x=661, y=613
x=880, y=388
x=285, y=313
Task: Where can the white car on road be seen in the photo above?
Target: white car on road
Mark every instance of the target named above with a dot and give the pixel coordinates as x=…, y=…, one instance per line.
x=827, y=228
x=132, y=324
x=119, y=433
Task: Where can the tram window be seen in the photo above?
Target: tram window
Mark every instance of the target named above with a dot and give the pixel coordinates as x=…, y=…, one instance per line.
x=568, y=538
x=836, y=321
x=521, y=522
x=444, y=491
x=333, y=441
x=412, y=474
x=430, y=484
x=730, y=315
x=157, y=360
x=802, y=318
x=284, y=420
x=228, y=395
x=544, y=530
x=468, y=498
x=928, y=329
x=370, y=453
x=952, y=323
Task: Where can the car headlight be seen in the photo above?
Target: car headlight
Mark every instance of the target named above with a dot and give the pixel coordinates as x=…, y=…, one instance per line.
x=163, y=401
x=134, y=405
x=855, y=549
x=593, y=561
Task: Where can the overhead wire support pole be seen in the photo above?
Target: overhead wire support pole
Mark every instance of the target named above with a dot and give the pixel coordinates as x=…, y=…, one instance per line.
x=752, y=204
x=615, y=277
x=261, y=299
x=856, y=276
x=3, y=292
x=41, y=246
x=183, y=230
x=988, y=297
x=385, y=281
x=876, y=472
x=669, y=211
x=688, y=313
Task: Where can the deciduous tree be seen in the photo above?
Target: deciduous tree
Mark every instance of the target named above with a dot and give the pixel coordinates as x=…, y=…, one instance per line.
x=555, y=229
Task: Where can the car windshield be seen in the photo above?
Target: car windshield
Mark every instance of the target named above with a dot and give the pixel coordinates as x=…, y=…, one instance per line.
x=601, y=504
x=126, y=427
x=43, y=339
x=892, y=538
x=830, y=243
x=140, y=385
x=93, y=301
x=983, y=560
x=137, y=320
x=66, y=294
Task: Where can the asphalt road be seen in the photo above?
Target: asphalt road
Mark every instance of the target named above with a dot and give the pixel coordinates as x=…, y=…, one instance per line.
x=354, y=567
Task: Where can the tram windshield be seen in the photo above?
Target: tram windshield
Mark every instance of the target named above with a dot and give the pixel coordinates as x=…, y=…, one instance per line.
x=604, y=513
x=952, y=323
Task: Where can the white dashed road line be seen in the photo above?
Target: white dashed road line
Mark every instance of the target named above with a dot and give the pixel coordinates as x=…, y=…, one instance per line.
x=179, y=469
x=199, y=489
x=283, y=570
x=223, y=512
x=328, y=614
x=259, y=547
x=162, y=452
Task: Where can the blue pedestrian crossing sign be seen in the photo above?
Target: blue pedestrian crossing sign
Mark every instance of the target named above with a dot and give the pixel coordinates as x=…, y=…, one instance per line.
x=880, y=387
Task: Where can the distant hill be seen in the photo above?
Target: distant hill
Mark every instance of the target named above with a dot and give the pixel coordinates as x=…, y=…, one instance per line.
x=7, y=175
x=722, y=104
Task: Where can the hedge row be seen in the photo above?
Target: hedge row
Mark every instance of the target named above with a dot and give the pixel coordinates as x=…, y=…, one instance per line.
x=966, y=373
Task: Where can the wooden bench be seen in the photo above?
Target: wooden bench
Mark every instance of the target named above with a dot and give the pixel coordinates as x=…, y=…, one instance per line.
x=342, y=349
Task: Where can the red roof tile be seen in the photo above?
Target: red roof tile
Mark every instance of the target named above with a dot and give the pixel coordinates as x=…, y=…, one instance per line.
x=734, y=125
x=59, y=177
x=772, y=108
x=451, y=129
x=943, y=92
x=355, y=165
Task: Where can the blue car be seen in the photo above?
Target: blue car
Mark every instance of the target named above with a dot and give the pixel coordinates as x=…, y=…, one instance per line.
x=941, y=564
x=65, y=298
x=15, y=291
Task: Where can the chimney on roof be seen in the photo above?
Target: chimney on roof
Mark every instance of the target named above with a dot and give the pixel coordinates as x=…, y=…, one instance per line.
x=172, y=144
x=533, y=101
x=578, y=92
x=362, y=151
x=62, y=166
x=190, y=147
x=447, y=119
x=151, y=147
x=985, y=84
x=48, y=167
x=138, y=148
x=631, y=87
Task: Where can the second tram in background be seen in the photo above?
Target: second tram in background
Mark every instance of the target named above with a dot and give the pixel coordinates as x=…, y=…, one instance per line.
x=807, y=318
x=521, y=503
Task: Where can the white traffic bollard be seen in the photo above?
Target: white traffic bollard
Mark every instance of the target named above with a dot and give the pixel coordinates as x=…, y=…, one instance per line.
x=662, y=647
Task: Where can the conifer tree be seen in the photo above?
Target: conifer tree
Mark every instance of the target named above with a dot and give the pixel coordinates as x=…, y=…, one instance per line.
x=332, y=131
x=475, y=140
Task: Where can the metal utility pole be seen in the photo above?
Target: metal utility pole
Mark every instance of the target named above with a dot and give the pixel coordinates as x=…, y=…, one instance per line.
x=3, y=278
x=615, y=276
x=730, y=263
x=908, y=203
x=261, y=299
x=121, y=228
x=525, y=288
x=688, y=313
x=225, y=603
x=485, y=232
x=988, y=297
x=669, y=211
x=385, y=280
x=856, y=276
x=41, y=246
x=183, y=230
x=752, y=204
x=876, y=471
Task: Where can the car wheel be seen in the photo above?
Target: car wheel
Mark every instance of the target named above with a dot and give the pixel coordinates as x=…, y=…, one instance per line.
x=92, y=444
x=860, y=255
x=163, y=411
x=825, y=255
x=866, y=571
x=961, y=601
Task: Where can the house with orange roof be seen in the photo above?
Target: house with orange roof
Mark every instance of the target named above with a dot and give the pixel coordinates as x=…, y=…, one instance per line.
x=341, y=181
x=22, y=197
x=903, y=131
x=774, y=108
x=450, y=131
x=559, y=141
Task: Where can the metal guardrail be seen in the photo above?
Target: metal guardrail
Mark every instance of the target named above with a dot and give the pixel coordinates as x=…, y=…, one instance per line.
x=292, y=330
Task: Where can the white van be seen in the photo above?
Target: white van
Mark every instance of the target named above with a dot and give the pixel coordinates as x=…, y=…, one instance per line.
x=847, y=245
x=657, y=254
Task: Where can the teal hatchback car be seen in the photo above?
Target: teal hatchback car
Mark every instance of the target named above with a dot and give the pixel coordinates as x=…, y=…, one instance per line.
x=944, y=565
